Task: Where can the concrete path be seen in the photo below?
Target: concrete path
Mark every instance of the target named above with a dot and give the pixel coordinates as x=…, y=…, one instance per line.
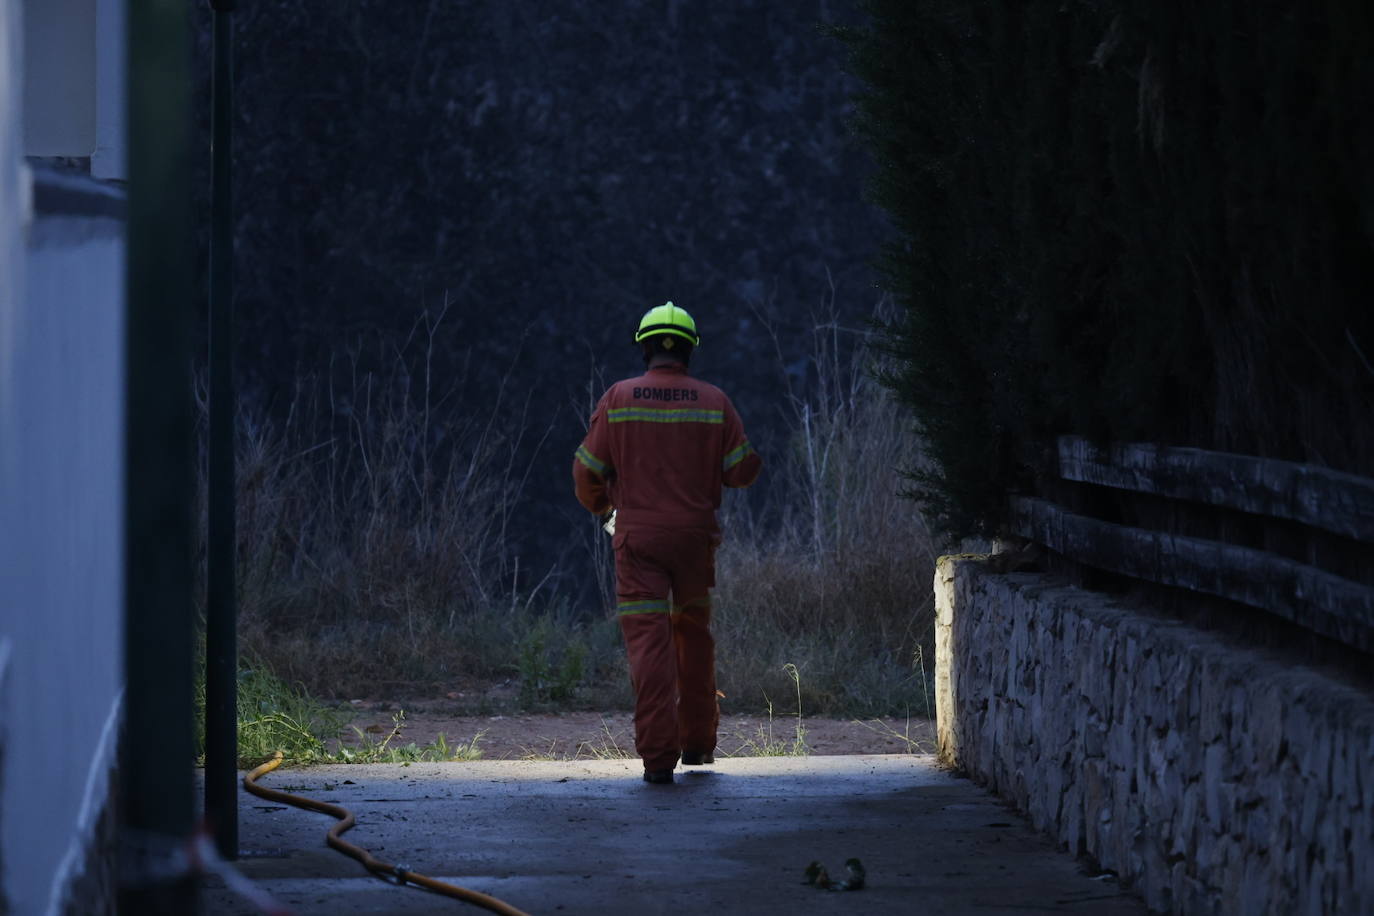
x=584, y=837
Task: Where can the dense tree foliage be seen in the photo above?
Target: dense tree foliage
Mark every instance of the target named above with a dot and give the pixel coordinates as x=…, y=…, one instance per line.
x=552, y=167
x=1127, y=219
x=550, y=170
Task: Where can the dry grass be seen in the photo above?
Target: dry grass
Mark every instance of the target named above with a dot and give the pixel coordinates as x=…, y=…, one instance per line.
x=375, y=555
x=375, y=550
x=836, y=576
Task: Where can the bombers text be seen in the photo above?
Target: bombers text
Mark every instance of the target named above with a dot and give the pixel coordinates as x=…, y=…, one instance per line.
x=665, y=394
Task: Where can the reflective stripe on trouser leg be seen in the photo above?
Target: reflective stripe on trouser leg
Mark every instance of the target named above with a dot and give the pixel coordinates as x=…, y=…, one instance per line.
x=698, y=709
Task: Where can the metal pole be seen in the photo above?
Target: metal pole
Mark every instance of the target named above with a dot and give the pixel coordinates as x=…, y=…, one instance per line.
x=221, y=611
x=157, y=788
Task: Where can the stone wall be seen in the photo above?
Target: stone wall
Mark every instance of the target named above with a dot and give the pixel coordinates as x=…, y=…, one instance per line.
x=1215, y=778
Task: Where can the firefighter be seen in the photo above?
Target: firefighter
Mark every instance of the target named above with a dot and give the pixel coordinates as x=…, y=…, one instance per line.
x=657, y=451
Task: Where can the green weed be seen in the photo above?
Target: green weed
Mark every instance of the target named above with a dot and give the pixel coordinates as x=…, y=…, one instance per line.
x=608, y=748
x=764, y=743
x=551, y=664
x=918, y=742
x=368, y=749
x=273, y=716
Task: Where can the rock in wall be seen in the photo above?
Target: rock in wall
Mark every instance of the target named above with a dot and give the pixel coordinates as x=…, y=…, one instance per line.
x=1216, y=778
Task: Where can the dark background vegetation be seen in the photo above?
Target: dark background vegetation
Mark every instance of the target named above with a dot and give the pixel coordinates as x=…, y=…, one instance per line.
x=539, y=174
x=1127, y=219
x=1116, y=218
x=449, y=219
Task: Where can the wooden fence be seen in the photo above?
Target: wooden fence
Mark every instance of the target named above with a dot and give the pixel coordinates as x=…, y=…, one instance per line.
x=1322, y=579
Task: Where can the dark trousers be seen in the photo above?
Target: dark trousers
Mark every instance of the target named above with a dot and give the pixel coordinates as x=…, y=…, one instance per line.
x=663, y=596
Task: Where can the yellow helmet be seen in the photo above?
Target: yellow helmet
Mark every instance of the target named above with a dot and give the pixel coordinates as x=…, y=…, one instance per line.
x=667, y=319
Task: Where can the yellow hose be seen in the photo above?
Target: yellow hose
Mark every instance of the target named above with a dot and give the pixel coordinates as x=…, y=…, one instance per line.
x=372, y=864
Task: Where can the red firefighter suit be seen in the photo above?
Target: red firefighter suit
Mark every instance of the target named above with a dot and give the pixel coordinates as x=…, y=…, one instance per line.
x=659, y=448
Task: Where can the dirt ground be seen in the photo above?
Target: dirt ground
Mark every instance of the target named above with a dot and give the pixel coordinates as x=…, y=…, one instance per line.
x=594, y=735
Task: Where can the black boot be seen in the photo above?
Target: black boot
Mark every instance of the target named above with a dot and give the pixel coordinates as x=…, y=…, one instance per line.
x=659, y=777
x=697, y=758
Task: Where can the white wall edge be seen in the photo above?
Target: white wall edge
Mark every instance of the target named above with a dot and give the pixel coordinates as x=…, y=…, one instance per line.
x=108, y=159
x=4, y=740
x=96, y=796
x=25, y=194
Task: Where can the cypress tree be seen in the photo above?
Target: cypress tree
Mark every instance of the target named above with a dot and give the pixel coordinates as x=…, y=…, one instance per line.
x=1122, y=219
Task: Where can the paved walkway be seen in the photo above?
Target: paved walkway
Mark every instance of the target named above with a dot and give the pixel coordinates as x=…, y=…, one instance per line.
x=588, y=837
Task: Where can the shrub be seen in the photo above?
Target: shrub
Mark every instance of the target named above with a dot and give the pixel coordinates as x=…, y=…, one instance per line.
x=834, y=575
x=1124, y=219
x=376, y=554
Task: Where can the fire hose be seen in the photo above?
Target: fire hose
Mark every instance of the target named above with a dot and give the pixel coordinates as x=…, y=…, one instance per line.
x=400, y=874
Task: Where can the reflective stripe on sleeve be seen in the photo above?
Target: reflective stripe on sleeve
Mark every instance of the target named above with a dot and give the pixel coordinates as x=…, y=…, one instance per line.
x=735, y=456
x=642, y=607
x=593, y=463
x=664, y=415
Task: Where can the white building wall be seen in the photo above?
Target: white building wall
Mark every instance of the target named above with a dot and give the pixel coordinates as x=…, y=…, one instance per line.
x=62, y=78
x=12, y=198
x=111, y=58
x=61, y=514
x=11, y=262
x=61, y=499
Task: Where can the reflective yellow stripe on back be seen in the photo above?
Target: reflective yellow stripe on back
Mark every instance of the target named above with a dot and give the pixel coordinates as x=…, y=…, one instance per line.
x=664, y=415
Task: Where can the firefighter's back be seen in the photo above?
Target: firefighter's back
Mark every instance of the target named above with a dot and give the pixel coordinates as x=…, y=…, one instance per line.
x=668, y=433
